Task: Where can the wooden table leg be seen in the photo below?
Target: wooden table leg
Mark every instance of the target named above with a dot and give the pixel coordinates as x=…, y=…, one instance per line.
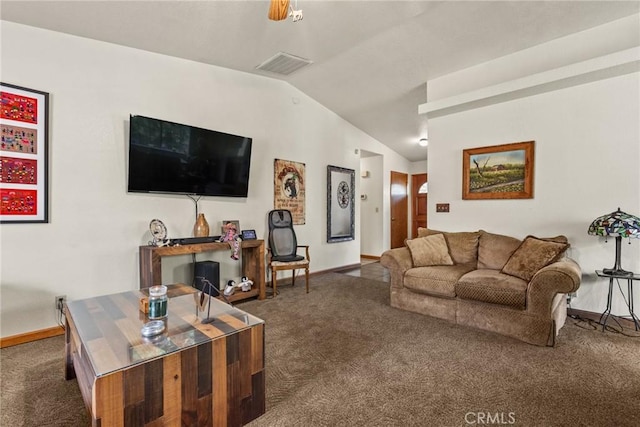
x=69, y=370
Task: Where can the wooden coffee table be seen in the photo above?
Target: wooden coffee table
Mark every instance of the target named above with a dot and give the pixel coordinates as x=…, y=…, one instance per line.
x=192, y=374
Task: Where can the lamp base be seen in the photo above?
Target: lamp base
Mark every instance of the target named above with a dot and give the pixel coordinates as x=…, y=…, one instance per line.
x=617, y=272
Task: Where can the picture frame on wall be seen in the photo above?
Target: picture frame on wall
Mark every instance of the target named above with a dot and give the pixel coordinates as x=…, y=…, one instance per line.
x=289, y=188
x=498, y=172
x=24, y=155
x=341, y=186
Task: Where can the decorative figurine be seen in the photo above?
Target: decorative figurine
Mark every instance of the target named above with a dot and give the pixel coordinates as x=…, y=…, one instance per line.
x=230, y=288
x=232, y=236
x=245, y=284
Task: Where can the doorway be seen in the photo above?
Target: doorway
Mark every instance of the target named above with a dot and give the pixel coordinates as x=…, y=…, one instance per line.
x=398, y=209
x=372, y=203
x=419, y=203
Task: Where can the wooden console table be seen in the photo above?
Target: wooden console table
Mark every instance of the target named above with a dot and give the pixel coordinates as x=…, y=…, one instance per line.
x=252, y=263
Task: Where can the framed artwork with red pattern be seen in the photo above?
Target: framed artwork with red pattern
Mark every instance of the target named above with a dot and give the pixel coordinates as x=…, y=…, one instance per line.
x=24, y=162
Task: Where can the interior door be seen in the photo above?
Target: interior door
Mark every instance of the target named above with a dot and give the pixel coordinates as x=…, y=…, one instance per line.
x=418, y=203
x=399, y=209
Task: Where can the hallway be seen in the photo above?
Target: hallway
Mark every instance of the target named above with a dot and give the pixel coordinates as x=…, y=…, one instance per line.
x=369, y=269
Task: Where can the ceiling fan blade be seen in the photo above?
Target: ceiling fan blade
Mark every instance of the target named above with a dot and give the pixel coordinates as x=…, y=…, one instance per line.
x=278, y=10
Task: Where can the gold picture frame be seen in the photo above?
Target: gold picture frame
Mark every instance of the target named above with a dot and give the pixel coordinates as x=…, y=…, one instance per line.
x=498, y=172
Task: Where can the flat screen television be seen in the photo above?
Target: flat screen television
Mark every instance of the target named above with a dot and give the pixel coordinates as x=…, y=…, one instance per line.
x=167, y=157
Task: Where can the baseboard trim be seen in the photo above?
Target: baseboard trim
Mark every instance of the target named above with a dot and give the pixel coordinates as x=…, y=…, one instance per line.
x=572, y=312
x=341, y=269
x=31, y=336
x=370, y=257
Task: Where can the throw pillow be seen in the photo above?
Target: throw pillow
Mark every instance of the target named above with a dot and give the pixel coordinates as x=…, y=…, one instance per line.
x=424, y=232
x=494, y=250
x=463, y=245
x=532, y=255
x=430, y=250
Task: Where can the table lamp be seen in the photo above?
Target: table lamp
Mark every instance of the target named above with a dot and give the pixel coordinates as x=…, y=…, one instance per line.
x=619, y=224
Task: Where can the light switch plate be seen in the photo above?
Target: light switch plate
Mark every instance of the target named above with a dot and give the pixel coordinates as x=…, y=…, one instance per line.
x=442, y=207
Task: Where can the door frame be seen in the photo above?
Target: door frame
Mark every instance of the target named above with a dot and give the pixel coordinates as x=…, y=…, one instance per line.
x=416, y=183
x=404, y=205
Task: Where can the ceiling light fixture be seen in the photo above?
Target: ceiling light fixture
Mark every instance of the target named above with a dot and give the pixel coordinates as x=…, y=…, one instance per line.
x=280, y=9
x=423, y=142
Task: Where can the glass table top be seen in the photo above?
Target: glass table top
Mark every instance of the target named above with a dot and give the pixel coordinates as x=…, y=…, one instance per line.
x=109, y=326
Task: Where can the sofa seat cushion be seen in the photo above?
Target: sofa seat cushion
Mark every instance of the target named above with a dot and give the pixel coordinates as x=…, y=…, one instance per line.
x=493, y=287
x=437, y=280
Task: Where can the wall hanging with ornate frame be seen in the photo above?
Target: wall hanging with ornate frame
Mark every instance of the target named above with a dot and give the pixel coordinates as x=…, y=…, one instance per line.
x=341, y=185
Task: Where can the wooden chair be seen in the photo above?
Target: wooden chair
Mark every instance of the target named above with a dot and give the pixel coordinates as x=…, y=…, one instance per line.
x=283, y=248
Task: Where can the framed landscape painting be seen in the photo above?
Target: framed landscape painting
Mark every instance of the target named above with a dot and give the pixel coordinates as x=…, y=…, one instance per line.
x=498, y=172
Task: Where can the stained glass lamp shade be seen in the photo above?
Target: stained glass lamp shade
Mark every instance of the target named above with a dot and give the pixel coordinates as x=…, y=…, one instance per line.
x=618, y=224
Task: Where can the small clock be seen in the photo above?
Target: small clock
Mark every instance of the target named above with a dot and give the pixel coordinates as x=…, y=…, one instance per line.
x=158, y=231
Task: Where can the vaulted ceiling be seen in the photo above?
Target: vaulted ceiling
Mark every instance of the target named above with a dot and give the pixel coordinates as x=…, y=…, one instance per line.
x=371, y=59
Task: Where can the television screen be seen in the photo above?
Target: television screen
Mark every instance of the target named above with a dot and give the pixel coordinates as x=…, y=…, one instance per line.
x=166, y=157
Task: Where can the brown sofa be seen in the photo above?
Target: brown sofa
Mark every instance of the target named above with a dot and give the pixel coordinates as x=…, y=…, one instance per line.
x=489, y=281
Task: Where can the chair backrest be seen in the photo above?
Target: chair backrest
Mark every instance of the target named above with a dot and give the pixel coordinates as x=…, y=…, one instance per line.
x=282, y=237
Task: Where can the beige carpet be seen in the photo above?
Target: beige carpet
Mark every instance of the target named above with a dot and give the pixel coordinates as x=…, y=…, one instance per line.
x=340, y=356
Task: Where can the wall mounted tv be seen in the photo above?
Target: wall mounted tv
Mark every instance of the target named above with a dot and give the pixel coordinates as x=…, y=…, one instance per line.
x=166, y=157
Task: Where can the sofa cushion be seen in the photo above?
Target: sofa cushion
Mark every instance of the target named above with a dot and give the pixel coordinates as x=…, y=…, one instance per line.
x=463, y=246
x=429, y=250
x=493, y=287
x=494, y=250
x=532, y=255
x=437, y=281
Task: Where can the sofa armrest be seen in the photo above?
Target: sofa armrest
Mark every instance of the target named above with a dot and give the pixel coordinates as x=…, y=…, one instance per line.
x=562, y=276
x=398, y=261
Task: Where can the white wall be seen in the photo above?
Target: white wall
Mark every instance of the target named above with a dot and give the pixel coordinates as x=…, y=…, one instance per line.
x=371, y=209
x=419, y=167
x=90, y=245
x=587, y=149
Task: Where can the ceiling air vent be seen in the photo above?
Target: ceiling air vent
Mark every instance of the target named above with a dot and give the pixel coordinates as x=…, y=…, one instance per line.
x=283, y=63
